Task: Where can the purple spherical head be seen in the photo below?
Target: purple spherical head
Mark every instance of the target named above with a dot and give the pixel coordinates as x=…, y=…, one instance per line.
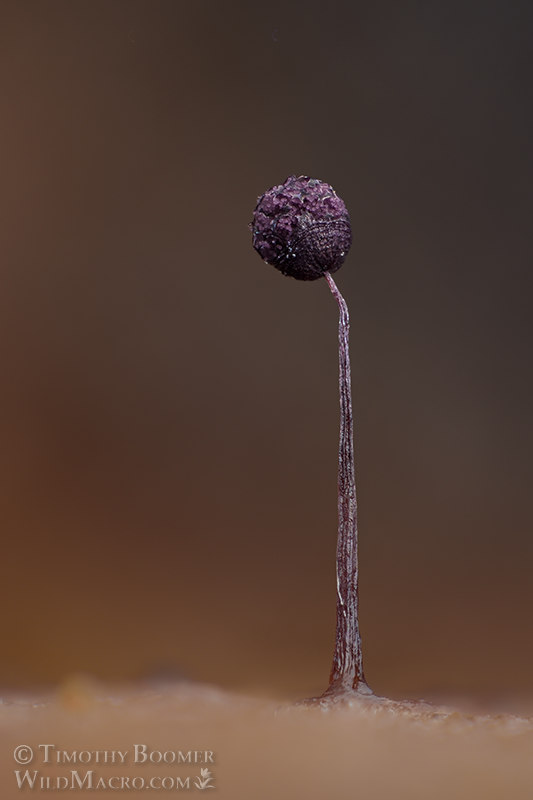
x=302, y=228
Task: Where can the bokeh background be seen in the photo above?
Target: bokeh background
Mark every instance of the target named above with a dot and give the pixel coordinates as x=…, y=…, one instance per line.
x=169, y=409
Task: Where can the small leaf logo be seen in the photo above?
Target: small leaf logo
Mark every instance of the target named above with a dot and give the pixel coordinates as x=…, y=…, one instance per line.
x=203, y=780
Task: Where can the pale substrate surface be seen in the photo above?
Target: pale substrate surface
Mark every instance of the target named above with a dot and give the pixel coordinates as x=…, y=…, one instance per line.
x=262, y=749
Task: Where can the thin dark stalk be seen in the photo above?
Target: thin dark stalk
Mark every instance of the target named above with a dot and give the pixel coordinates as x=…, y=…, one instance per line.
x=347, y=668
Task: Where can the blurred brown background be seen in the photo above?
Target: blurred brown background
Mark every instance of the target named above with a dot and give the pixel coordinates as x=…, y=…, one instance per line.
x=169, y=410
